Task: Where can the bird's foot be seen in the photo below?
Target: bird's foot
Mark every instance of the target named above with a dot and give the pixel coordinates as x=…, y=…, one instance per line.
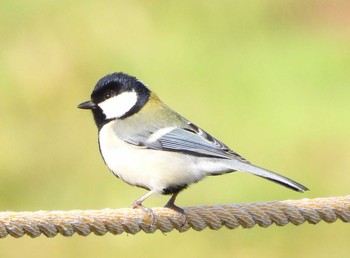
x=149, y=211
x=171, y=205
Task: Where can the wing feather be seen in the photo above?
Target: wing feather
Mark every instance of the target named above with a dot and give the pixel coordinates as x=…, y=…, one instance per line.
x=194, y=141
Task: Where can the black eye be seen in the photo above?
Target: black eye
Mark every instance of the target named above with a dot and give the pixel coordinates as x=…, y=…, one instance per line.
x=107, y=95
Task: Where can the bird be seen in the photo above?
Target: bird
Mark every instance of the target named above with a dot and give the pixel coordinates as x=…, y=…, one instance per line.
x=147, y=144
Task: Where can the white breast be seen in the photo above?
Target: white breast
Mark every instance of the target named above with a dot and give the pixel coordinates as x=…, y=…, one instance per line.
x=153, y=169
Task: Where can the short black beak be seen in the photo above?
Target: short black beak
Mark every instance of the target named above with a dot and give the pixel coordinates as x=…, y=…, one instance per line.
x=87, y=105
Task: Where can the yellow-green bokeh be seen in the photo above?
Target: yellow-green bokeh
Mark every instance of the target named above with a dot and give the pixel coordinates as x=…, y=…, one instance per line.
x=269, y=78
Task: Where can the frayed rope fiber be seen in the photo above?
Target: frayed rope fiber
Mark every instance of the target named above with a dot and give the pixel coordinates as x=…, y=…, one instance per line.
x=132, y=221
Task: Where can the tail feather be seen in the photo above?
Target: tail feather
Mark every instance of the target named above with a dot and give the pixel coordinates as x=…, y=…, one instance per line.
x=272, y=176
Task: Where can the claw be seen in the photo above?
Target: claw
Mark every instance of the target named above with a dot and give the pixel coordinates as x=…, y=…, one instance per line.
x=138, y=205
x=146, y=210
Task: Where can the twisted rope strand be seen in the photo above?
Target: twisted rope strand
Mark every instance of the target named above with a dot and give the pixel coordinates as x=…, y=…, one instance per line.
x=66, y=223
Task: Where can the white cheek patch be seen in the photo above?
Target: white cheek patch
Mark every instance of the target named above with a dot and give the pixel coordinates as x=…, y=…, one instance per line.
x=117, y=106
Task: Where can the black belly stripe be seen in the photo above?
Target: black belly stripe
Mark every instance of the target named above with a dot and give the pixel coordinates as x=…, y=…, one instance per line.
x=172, y=189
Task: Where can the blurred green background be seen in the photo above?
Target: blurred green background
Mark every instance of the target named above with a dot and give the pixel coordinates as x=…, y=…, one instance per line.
x=269, y=78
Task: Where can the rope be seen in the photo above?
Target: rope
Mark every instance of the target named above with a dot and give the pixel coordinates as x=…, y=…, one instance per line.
x=117, y=221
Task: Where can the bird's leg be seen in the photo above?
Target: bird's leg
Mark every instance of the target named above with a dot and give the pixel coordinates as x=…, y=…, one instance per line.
x=171, y=204
x=138, y=205
x=138, y=202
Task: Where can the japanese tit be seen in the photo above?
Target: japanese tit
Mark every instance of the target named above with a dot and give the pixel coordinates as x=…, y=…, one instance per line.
x=147, y=144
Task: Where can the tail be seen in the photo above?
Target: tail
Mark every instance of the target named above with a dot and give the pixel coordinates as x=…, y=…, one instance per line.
x=261, y=172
